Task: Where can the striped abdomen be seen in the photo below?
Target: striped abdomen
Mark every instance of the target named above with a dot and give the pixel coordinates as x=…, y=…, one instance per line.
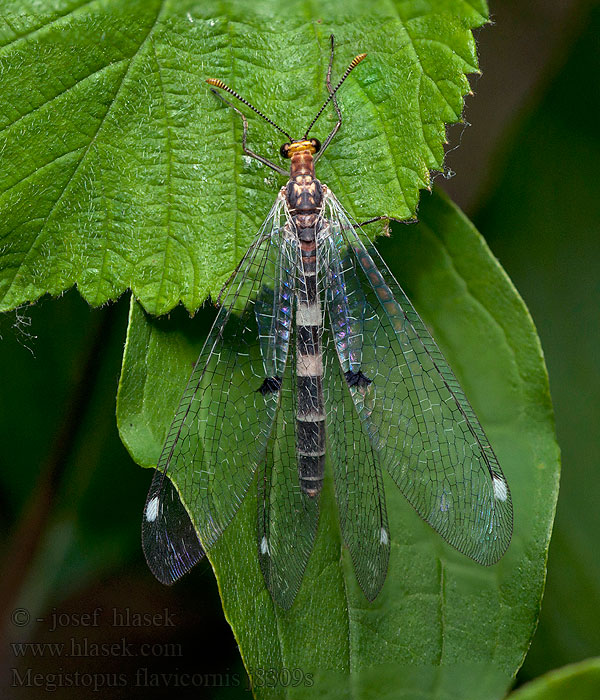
x=304, y=194
x=310, y=410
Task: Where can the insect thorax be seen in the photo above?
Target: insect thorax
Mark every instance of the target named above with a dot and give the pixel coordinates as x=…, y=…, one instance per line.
x=304, y=193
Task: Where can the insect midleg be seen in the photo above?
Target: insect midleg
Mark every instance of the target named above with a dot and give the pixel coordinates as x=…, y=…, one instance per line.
x=310, y=411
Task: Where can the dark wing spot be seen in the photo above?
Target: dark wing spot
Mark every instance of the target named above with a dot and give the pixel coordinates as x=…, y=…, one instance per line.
x=270, y=385
x=357, y=379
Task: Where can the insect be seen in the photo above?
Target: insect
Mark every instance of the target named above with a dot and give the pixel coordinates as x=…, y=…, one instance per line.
x=317, y=356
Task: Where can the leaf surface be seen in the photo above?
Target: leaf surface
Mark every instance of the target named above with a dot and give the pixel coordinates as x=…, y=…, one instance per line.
x=119, y=169
x=577, y=682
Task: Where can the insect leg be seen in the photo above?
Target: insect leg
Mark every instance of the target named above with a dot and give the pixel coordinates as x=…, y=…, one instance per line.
x=246, y=149
x=335, y=104
x=380, y=218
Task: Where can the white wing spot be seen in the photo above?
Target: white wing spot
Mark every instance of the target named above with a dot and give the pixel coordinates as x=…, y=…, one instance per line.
x=444, y=505
x=264, y=546
x=384, y=538
x=152, y=509
x=500, y=490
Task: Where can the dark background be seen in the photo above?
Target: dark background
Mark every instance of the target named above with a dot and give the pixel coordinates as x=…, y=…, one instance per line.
x=71, y=498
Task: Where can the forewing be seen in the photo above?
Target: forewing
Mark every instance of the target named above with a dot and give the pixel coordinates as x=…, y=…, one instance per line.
x=416, y=414
x=221, y=428
x=356, y=470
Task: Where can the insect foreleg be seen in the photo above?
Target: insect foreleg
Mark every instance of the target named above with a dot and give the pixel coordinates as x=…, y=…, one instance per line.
x=281, y=171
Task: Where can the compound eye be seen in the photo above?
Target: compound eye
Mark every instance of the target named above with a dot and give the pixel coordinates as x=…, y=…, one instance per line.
x=317, y=144
x=284, y=150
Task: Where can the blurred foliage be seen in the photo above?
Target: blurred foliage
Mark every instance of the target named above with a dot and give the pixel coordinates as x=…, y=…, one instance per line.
x=575, y=682
x=46, y=348
x=542, y=219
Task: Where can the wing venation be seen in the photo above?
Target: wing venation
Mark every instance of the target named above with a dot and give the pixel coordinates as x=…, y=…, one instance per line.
x=220, y=431
x=419, y=421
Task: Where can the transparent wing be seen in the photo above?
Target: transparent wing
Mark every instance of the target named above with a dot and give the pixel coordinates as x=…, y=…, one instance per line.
x=418, y=419
x=287, y=517
x=221, y=428
x=357, y=473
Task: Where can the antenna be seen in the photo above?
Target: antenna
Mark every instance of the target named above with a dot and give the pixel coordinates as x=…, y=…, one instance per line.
x=355, y=61
x=220, y=84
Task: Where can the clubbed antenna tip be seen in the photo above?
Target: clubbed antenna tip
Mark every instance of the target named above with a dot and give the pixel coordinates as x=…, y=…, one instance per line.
x=355, y=61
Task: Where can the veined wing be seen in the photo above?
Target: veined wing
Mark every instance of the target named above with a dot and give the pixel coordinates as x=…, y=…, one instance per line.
x=287, y=517
x=417, y=416
x=357, y=473
x=221, y=428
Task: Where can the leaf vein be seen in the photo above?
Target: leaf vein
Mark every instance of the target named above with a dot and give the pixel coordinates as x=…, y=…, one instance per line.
x=59, y=94
x=86, y=151
x=33, y=32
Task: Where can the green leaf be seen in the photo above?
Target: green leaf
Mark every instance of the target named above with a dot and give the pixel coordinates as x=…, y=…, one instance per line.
x=119, y=169
x=576, y=682
x=442, y=626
